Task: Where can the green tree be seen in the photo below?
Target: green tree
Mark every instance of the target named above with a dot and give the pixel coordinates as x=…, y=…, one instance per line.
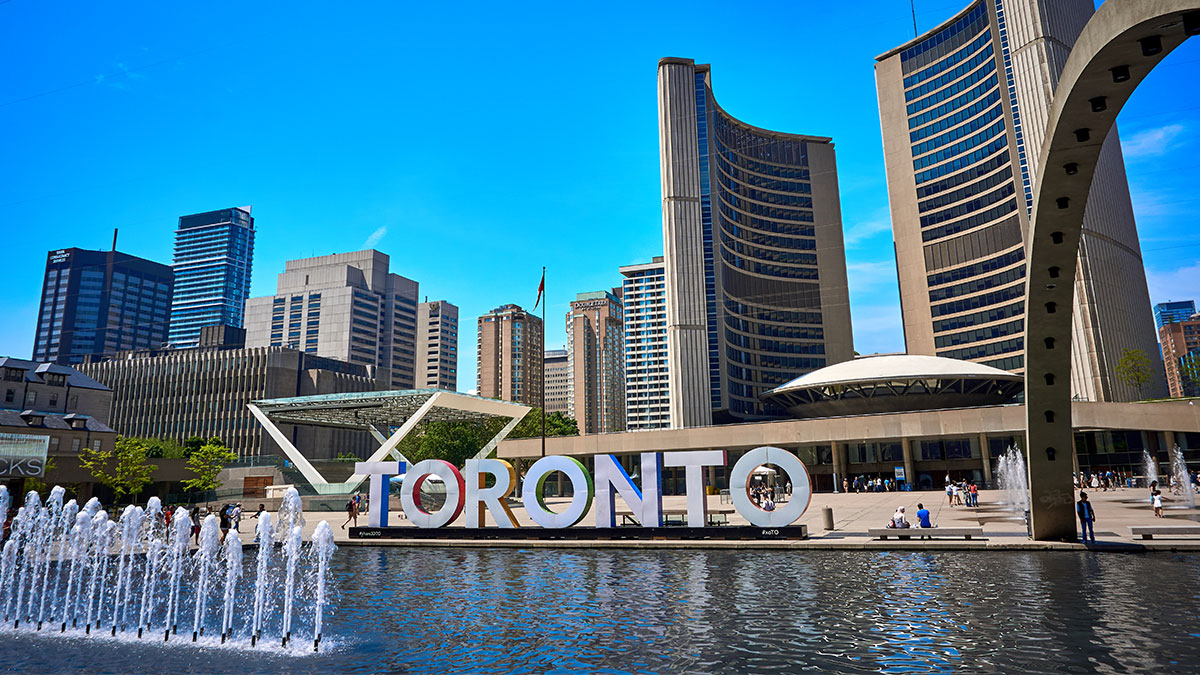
x=206, y=462
x=124, y=469
x=1134, y=369
x=455, y=442
x=164, y=448
x=557, y=424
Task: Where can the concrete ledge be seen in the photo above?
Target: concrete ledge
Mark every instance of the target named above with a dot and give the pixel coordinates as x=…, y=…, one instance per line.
x=793, y=545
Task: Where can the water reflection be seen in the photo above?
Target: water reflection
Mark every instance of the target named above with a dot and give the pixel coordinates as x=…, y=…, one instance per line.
x=506, y=610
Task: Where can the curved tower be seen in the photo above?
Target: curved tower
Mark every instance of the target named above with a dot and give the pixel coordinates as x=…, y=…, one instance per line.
x=754, y=261
x=963, y=109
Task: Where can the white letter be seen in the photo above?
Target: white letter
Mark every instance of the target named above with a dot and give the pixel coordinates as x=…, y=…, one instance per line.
x=535, y=503
x=695, y=461
x=494, y=497
x=381, y=475
x=453, y=481
x=646, y=504
x=739, y=487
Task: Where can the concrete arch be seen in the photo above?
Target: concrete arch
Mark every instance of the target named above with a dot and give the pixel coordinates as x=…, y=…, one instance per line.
x=1122, y=42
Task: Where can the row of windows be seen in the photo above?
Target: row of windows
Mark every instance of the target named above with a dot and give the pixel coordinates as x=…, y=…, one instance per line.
x=957, y=132
x=734, y=232
x=962, y=162
x=745, y=177
x=972, y=95
x=948, y=75
x=783, y=199
x=980, y=351
x=776, y=315
x=771, y=255
x=969, y=223
x=945, y=42
x=792, y=172
x=964, y=192
x=772, y=330
x=976, y=285
x=979, y=301
x=767, y=269
x=774, y=346
x=1009, y=363
x=782, y=227
x=980, y=334
x=960, y=210
x=959, y=147
x=996, y=314
x=982, y=267
x=773, y=212
x=952, y=90
x=955, y=119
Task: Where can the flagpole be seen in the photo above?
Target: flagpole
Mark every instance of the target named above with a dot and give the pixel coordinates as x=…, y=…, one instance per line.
x=543, y=362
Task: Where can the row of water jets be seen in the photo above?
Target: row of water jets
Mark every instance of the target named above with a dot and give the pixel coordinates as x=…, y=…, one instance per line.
x=76, y=569
x=1179, y=475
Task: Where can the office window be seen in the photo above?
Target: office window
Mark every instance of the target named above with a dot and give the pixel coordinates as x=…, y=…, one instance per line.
x=30, y=399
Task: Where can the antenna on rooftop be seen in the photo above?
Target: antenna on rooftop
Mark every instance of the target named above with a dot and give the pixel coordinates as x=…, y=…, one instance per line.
x=913, y=4
x=114, y=239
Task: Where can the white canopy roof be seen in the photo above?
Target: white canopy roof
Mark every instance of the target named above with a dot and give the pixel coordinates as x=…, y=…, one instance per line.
x=892, y=367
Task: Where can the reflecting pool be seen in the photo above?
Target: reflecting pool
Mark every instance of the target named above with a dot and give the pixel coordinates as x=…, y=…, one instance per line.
x=450, y=610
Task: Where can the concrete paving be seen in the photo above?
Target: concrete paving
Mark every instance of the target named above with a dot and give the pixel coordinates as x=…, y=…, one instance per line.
x=854, y=514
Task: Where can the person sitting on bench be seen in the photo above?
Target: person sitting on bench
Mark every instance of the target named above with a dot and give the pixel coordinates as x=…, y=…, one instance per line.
x=898, y=519
x=923, y=516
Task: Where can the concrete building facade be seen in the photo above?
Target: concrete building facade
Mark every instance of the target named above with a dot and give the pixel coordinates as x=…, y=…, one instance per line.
x=596, y=362
x=204, y=392
x=509, y=356
x=963, y=110
x=558, y=381
x=755, y=267
x=214, y=254
x=437, y=346
x=1180, y=342
x=647, y=401
x=346, y=306
x=97, y=303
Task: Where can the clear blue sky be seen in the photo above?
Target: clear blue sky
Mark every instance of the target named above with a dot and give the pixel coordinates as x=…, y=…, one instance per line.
x=472, y=142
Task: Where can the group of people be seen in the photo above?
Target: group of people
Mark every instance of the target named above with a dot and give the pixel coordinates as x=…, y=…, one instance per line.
x=876, y=484
x=900, y=519
x=354, y=506
x=961, y=493
x=1103, y=480
x=763, y=495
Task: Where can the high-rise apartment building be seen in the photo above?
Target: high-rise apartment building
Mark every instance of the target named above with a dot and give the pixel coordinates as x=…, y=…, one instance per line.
x=755, y=266
x=1168, y=312
x=647, y=403
x=558, y=381
x=346, y=306
x=509, y=349
x=437, y=345
x=96, y=303
x=214, y=252
x=596, y=362
x=1180, y=345
x=964, y=109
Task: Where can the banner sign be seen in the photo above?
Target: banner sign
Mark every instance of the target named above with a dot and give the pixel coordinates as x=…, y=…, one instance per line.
x=23, y=455
x=465, y=491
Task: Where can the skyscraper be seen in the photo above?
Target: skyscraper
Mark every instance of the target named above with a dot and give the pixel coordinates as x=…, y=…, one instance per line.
x=596, y=362
x=1170, y=312
x=214, y=252
x=510, y=356
x=96, y=303
x=963, y=110
x=647, y=404
x=755, y=265
x=1180, y=345
x=345, y=306
x=437, y=346
x=558, y=381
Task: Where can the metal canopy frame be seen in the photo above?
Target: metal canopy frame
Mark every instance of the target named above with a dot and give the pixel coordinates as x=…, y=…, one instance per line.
x=377, y=412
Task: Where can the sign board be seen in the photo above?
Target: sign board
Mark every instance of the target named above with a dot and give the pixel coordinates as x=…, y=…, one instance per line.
x=23, y=455
x=900, y=474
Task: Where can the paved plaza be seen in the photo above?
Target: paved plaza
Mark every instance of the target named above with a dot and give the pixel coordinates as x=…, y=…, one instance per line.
x=854, y=515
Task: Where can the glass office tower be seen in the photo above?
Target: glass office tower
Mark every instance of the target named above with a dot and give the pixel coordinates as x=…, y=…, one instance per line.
x=963, y=110
x=214, y=252
x=97, y=303
x=754, y=260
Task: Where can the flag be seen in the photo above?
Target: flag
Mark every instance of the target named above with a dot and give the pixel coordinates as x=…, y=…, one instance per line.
x=541, y=288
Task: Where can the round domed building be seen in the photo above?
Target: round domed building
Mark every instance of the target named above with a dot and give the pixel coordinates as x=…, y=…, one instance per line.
x=890, y=383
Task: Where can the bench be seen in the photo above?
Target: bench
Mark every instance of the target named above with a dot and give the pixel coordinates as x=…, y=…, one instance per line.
x=910, y=532
x=716, y=517
x=1148, y=531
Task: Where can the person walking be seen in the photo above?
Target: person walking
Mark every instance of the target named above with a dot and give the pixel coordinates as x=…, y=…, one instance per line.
x=351, y=513
x=1156, y=502
x=1087, y=518
x=949, y=492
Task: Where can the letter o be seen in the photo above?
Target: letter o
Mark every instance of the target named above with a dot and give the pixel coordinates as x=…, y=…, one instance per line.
x=535, y=480
x=455, y=493
x=739, y=487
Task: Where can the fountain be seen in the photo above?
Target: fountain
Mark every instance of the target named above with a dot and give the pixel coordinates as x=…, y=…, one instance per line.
x=1149, y=469
x=78, y=569
x=1013, y=478
x=1183, y=479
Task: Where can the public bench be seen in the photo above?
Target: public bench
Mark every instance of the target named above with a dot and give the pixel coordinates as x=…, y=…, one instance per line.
x=677, y=516
x=1148, y=531
x=910, y=532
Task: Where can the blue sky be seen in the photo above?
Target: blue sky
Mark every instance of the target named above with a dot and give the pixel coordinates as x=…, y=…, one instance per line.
x=472, y=142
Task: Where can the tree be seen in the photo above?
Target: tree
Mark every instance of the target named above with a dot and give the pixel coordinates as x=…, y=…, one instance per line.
x=1134, y=369
x=557, y=424
x=164, y=448
x=206, y=462
x=124, y=469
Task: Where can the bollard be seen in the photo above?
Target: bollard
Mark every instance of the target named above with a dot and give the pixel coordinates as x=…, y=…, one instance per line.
x=827, y=517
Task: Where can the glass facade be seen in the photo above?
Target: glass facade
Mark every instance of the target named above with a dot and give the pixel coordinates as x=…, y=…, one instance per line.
x=214, y=252
x=1173, y=312
x=647, y=405
x=97, y=303
x=961, y=111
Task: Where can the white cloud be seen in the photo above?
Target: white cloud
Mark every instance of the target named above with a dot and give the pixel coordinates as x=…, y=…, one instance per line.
x=376, y=237
x=866, y=277
x=861, y=232
x=1151, y=142
x=1182, y=283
